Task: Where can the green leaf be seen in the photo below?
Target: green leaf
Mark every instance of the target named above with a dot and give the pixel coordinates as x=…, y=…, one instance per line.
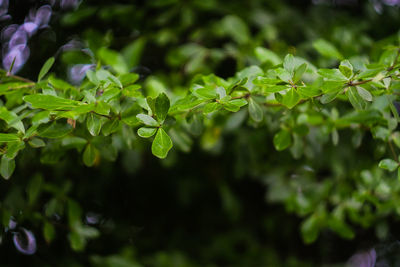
x=282, y=140
x=48, y=232
x=310, y=229
x=50, y=102
x=162, y=144
x=114, y=59
x=54, y=130
x=205, y=93
x=299, y=71
x=266, y=55
x=146, y=132
x=235, y=104
x=365, y=94
x=89, y=155
x=6, y=137
x=211, y=107
x=7, y=167
x=274, y=89
x=284, y=75
x=291, y=98
x=93, y=124
x=346, y=68
x=73, y=142
x=162, y=105
x=46, y=67
x=388, y=164
x=255, y=110
x=289, y=63
x=327, y=49
x=111, y=126
x=332, y=74
x=147, y=120
x=14, y=147
x=36, y=142
x=132, y=90
x=327, y=98
x=355, y=99
x=12, y=119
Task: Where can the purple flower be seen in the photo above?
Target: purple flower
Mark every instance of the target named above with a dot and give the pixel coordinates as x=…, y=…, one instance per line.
x=363, y=259
x=25, y=241
x=8, y=31
x=391, y=2
x=69, y=4
x=18, y=38
x=92, y=218
x=30, y=28
x=21, y=55
x=12, y=224
x=42, y=16
x=77, y=73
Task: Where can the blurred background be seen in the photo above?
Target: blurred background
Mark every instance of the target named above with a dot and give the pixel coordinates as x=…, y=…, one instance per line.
x=228, y=198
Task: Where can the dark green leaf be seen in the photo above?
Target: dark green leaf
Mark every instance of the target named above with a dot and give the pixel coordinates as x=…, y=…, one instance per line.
x=7, y=166
x=89, y=155
x=282, y=140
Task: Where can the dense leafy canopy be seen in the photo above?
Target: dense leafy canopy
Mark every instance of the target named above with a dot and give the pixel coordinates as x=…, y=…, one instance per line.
x=316, y=124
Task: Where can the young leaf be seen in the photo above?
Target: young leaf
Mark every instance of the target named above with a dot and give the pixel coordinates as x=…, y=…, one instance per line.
x=289, y=63
x=235, y=104
x=365, y=94
x=255, y=111
x=284, y=75
x=146, y=132
x=7, y=167
x=299, y=71
x=388, y=164
x=46, y=67
x=282, y=140
x=147, y=120
x=346, y=68
x=162, y=105
x=162, y=144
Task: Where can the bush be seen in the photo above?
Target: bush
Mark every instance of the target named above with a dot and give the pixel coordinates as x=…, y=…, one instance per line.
x=268, y=131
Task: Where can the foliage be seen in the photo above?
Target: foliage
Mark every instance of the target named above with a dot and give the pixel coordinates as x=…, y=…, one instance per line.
x=317, y=125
